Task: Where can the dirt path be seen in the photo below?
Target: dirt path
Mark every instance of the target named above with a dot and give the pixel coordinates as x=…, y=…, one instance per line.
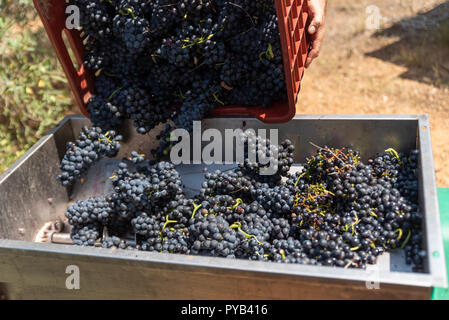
x=401, y=69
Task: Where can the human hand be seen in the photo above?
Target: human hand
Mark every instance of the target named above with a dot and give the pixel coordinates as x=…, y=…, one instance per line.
x=317, y=12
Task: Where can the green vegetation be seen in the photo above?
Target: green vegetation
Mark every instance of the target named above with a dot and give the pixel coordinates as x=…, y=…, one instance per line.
x=34, y=94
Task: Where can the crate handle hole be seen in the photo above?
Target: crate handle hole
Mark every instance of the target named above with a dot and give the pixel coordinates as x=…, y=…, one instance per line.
x=69, y=50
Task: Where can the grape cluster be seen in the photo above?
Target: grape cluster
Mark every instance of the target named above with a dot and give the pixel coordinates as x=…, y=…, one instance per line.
x=85, y=235
x=359, y=203
x=95, y=55
x=151, y=56
x=117, y=243
x=260, y=154
x=130, y=27
x=104, y=114
x=168, y=241
x=227, y=182
x=145, y=203
x=95, y=17
x=163, y=148
x=92, y=210
x=92, y=145
x=336, y=211
x=212, y=235
x=248, y=181
x=149, y=186
x=145, y=225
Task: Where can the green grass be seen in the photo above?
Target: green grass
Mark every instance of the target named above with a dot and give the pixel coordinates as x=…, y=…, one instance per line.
x=34, y=94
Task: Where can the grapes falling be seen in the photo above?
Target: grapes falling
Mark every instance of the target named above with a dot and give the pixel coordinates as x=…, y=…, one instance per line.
x=179, y=60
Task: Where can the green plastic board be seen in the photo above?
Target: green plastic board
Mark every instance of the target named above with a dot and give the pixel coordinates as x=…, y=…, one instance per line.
x=443, y=199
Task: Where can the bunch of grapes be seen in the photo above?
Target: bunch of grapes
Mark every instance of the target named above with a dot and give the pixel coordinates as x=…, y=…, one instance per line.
x=92, y=145
x=87, y=235
x=92, y=210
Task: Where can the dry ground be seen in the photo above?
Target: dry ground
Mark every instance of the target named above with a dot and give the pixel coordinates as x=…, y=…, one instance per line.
x=403, y=68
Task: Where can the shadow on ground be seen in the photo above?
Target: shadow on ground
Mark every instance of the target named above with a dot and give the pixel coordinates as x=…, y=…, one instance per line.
x=422, y=46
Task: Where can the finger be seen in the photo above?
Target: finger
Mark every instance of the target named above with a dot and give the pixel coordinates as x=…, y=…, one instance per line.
x=316, y=47
x=313, y=54
x=317, y=17
x=314, y=26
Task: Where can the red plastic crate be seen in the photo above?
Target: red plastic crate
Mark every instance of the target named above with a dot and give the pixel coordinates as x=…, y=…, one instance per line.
x=292, y=18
